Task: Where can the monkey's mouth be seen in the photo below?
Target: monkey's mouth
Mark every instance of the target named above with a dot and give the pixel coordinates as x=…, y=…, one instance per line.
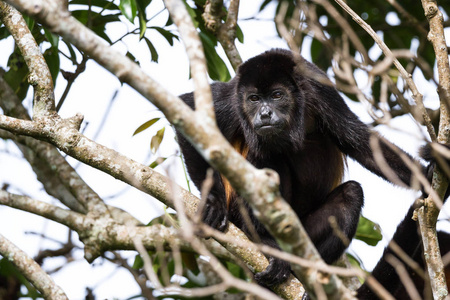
x=268, y=129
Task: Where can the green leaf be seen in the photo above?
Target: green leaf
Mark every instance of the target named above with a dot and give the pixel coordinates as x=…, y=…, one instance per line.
x=368, y=232
x=4, y=33
x=190, y=261
x=235, y=270
x=169, y=21
x=145, y=126
x=53, y=39
x=156, y=140
x=152, y=50
x=132, y=57
x=317, y=51
x=51, y=56
x=138, y=262
x=169, y=36
x=128, y=9
x=356, y=263
x=217, y=69
x=103, y=4
x=73, y=56
x=7, y=269
x=142, y=24
x=97, y=22
x=142, y=4
x=16, y=76
x=167, y=219
x=264, y=4
x=191, y=12
x=239, y=34
x=29, y=21
x=157, y=162
x=142, y=15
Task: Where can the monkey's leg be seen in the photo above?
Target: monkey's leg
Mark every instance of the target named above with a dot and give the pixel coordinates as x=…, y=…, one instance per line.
x=344, y=203
x=278, y=270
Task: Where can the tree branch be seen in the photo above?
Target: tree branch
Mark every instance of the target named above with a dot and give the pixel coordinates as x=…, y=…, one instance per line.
x=31, y=270
x=225, y=32
x=202, y=91
x=44, y=104
x=417, y=96
x=40, y=76
x=428, y=214
x=100, y=235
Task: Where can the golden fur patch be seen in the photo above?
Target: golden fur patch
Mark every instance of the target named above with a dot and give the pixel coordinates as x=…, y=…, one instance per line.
x=242, y=148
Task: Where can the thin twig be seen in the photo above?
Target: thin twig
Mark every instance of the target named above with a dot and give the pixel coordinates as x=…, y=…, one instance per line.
x=405, y=75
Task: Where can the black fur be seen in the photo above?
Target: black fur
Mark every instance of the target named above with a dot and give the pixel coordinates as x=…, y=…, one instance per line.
x=305, y=135
x=407, y=237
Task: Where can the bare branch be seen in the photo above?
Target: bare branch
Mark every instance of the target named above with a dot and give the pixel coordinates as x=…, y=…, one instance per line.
x=31, y=270
x=405, y=75
x=225, y=32
x=105, y=234
x=284, y=32
x=429, y=213
x=346, y=28
x=404, y=277
x=39, y=77
x=202, y=91
x=69, y=218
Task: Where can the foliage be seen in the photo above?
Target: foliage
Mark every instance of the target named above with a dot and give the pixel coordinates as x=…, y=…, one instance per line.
x=368, y=232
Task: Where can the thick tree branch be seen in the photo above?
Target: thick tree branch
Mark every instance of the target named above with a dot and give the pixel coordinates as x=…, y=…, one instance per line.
x=225, y=32
x=202, y=91
x=44, y=104
x=31, y=270
x=428, y=214
x=100, y=235
x=57, y=176
x=39, y=77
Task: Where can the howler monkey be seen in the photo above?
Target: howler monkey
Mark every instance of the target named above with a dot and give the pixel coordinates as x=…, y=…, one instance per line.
x=281, y=112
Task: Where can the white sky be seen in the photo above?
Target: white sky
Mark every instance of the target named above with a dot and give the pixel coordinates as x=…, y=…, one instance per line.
x=90, y=95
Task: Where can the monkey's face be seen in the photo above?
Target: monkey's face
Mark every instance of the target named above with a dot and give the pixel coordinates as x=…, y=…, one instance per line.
x=270, y=102
x=268, y=110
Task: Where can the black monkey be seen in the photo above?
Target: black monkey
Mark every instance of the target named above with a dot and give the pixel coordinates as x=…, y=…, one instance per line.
x=281, y=112
x=408, y=239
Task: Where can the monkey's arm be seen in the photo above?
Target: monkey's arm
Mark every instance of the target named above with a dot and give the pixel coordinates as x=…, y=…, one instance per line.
x=353, y=137
x=215, y=213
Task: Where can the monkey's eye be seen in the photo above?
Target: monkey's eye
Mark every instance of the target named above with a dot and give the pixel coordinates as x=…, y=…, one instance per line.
x=253, y=98
x=277, y=95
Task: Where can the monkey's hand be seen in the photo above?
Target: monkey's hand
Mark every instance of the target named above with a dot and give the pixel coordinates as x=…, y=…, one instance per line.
x=276, y=272
x=215, y=213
